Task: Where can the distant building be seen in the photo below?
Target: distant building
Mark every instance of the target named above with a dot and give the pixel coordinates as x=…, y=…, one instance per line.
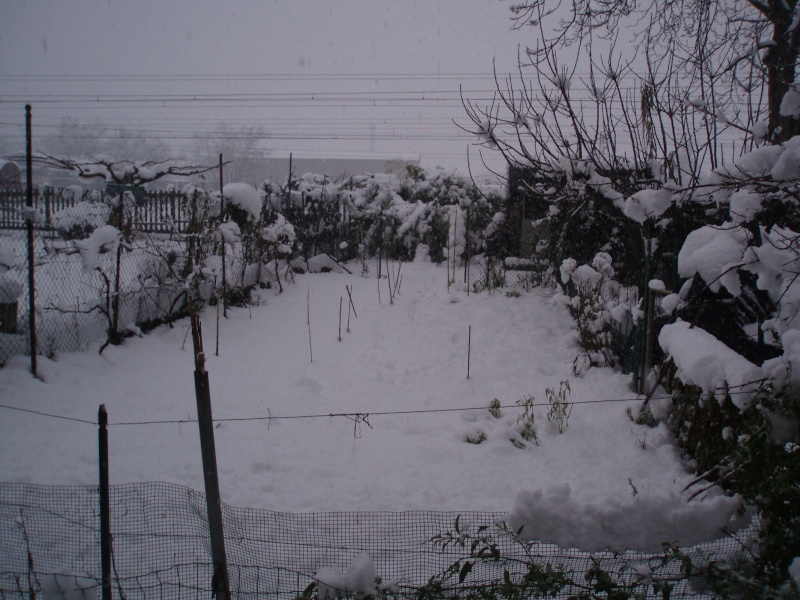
x=338, y=169
x=10, y=175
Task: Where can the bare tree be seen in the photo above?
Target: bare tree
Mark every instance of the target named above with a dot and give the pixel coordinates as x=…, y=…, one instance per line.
x=747, y=51
x=76, y=139
x=241, y=149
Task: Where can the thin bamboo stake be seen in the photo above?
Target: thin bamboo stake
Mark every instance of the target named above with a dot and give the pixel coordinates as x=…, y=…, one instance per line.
x=466, y=264
x=448, y=252
x=455, y=245
x=308, y=321
x=469, y=349
x=397, y=279
x=379, y=281
x=218, y=303
x=350, y=296
x=340, y=317
x=389, y=281
x=349, y=306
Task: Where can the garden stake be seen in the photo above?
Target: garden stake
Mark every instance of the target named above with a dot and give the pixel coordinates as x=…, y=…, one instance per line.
x=455, y=245
x=469, y=348
x=218, y=300
x=448, y=253
x=350, y=296
x=308, y=321
x=340, y=317
x=389, y=281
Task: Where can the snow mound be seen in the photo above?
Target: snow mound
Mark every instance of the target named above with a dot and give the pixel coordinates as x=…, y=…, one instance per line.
x=641, y=523
x=359, y=579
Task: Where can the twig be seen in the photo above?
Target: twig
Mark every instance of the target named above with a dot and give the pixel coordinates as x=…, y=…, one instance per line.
x=340, y=317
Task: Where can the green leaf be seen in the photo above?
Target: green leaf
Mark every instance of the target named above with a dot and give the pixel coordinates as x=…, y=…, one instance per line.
x=465, y=570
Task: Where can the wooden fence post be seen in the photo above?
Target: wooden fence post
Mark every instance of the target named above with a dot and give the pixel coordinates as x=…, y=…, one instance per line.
x=105, y=503
x=219, y=581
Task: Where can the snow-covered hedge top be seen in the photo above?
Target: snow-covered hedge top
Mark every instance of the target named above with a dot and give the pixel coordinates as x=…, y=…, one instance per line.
x=246, y=197
x=704, y=361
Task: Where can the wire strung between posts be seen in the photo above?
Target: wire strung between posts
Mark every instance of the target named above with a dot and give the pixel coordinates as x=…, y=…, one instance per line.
x=44, y=414
x=362, y=415
x=354, y=416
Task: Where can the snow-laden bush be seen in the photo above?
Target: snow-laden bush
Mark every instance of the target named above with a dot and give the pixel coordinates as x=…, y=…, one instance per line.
x=603, y=310
x=78, y=221
x=389, y=215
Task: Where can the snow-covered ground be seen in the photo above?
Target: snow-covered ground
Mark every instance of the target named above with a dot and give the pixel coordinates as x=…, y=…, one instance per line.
x=396, y=362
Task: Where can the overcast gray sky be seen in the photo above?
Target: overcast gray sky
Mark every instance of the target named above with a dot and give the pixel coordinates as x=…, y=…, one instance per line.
x=343, y=78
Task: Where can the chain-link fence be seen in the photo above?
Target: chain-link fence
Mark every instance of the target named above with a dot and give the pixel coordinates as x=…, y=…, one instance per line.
x=92, y=282
x=161, y=548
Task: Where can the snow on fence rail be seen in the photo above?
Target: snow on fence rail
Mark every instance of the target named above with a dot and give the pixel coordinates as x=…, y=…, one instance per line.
x=50, y=535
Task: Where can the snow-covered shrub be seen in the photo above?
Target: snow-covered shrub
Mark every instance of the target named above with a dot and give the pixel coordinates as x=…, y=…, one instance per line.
x=746, y=444
x=581, y=206
x=388, y=215
x=603, y=310
x=79, y=221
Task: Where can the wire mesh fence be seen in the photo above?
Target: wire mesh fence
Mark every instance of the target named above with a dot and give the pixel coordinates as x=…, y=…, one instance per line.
x=92, y=283
x=50, y=539
x=96, y=282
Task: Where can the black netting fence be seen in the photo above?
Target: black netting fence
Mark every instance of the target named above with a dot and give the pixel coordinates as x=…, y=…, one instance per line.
x=50, y=540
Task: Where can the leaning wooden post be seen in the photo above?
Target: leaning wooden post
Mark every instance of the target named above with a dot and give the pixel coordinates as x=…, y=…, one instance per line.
x=219, y=581
x=105, y=502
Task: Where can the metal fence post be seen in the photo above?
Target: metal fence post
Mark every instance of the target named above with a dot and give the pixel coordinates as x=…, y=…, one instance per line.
x=105, y=503
x=31, y=278
x=219, y=582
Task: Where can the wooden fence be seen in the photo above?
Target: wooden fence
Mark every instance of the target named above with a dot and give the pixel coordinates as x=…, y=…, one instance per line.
x=154, y=212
